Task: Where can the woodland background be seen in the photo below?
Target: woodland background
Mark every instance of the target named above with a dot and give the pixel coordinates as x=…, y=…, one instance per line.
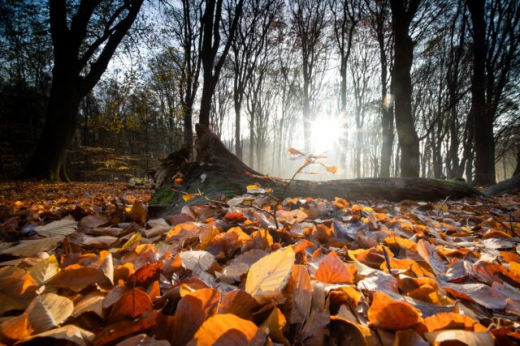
x=321, y=76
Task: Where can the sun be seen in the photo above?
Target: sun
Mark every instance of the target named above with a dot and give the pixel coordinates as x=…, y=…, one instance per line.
x=326, y=134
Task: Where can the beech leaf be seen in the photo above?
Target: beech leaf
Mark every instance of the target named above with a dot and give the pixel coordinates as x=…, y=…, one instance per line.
x=268, y=276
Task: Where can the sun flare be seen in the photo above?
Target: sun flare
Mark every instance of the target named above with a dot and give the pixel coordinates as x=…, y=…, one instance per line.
x=326, y=134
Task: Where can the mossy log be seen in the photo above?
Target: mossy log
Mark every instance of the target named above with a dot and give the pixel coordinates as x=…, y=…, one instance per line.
x=218, y=172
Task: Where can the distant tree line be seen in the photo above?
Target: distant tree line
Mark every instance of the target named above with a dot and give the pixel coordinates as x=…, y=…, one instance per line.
x=102, y=89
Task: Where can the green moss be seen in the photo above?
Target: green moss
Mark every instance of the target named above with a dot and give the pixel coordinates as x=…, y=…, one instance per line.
x=163, y=195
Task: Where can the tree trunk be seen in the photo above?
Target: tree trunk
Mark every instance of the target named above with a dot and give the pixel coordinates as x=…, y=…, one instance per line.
x=517, y=168
x=48, y=160
x=387, y=110
x=238, y=140
x=401, y=81
x=226, y=175
x=483, y=118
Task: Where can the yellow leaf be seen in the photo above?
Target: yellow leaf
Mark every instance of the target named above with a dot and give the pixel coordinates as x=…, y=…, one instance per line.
x=44, y=270
x=332, y=169
x=268, y=276
x=186, y=198
x=135, y=238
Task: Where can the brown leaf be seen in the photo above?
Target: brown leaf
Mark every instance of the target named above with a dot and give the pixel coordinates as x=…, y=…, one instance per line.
x=119, y=330
x=239, y=303
x=298, y=295
x=479, y=293
x=345, y=333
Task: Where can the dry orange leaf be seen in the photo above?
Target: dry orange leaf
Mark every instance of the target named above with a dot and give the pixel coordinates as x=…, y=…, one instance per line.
x=227, y=329
x=333, y=270
x=121, y=329
x=132, y=304
x=273, y=326
x=145, y=275
x=392, y=315
x=193, y=309
x=449, y=320
x=16, y=328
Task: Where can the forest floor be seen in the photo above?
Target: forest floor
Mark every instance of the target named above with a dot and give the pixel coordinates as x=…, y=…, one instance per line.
x=81, y=263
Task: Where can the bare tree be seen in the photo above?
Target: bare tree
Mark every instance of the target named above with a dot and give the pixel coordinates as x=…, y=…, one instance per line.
x=379, y=15
x=309, y=20
x=212, y=22
x=253, y=27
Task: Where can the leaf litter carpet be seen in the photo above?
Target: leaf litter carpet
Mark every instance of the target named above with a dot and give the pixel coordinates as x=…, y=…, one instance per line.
x=81, y=264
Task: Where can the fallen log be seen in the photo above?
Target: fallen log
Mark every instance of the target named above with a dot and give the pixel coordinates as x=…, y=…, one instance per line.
x=218, y=172
x=508, y=186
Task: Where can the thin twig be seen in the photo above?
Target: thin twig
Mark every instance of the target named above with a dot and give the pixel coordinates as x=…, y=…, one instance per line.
x=442, y=205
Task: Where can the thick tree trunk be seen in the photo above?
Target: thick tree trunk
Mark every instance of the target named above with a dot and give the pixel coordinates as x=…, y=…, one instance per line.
x=60, y=124
x=402, y=88
x=482, y=116
x=225, y=175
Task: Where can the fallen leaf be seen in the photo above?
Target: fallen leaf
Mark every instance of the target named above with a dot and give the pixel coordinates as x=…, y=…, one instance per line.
x=299, y=295
x=459, y=337
x=332, y=270
x=28, y=248
x=69, y=332
x=239, y=303
x=16, y=328
x=390, y=314
x=44, y=270
x=193, y=309
x=227, y=329
x=119, y=330
x=145, y=275
x=268, y=276
x=48, y=311
x=479, y=293
x=59, y=228
x=132, y=304
x=273, y=326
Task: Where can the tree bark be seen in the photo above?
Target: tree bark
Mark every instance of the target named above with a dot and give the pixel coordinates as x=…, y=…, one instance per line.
x=482, y=115
x=60, y=124
x=402, y=86
x=226, y=175
x=508, y=186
